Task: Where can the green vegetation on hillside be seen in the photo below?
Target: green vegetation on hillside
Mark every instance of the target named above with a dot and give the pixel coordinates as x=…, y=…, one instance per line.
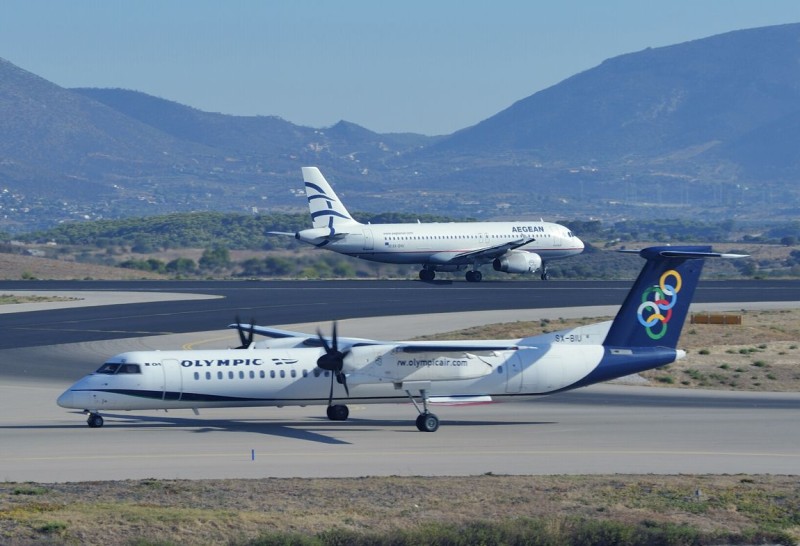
x=217, y=245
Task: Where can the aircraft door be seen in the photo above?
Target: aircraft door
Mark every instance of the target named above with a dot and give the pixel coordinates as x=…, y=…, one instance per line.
x=369, y=243
x=173, y=380
x=514, y=373
x=558, y=240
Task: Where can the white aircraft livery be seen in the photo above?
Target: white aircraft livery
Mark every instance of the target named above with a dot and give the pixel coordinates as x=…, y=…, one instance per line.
x=292, y=368
x=511, y=247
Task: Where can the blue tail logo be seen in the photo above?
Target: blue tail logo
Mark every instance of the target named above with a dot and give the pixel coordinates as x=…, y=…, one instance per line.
x=655, y=309
x=658, y=310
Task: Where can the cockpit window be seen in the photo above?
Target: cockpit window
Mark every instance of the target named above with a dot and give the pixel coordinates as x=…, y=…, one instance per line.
x=111, y=368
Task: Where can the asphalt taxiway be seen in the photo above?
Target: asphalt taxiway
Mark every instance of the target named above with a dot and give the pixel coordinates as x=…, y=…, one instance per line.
x=600, y=429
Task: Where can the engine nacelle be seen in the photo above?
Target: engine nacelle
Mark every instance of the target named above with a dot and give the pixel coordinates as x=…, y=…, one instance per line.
x=517, y=261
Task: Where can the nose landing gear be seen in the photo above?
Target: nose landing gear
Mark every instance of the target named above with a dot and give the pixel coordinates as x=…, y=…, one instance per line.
x=95, y=420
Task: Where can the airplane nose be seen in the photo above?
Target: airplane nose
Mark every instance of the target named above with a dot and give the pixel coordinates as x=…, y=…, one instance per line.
x=65, y=400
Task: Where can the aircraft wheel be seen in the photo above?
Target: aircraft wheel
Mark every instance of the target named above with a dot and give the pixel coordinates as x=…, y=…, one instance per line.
x=94, y=420
x=545, y=276
x=338, y=412
x=474, y=276
x=427, y=422
x=427, y=274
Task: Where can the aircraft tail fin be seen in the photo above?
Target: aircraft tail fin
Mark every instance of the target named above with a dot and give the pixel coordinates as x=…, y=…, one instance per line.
x=326, y=209
x=655, y=309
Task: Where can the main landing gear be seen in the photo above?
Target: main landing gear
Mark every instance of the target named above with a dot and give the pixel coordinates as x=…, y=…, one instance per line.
x=426, y=421
x=95, y=420
x=428, y=275
x=474, y=276
x=338, y=412
x=545, y=274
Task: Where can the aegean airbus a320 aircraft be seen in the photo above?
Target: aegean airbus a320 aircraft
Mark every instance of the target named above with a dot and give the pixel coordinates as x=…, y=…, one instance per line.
x=297, y=369
x=511, y=247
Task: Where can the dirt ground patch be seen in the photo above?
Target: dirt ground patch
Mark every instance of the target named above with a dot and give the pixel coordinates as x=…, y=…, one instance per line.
x=18, y=267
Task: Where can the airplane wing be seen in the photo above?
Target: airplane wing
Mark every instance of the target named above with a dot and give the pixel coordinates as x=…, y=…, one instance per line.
x=301, y=339
x=289, y=338
x=490, y=252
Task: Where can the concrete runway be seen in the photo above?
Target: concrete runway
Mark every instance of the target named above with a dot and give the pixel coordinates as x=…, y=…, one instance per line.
x=601, y=429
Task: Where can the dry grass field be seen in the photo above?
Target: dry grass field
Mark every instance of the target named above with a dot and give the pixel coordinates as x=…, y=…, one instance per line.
x=16, y=267
x=240, y=511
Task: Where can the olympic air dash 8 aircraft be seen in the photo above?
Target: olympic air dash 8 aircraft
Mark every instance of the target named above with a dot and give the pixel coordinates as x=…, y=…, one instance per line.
x=297, y=369
x=511, y=247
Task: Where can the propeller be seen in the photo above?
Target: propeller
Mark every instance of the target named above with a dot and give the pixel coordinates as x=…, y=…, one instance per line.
x=333, y=361
x=247, y=339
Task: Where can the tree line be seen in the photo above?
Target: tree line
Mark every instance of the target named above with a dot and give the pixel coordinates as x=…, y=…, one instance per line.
x=218, y=234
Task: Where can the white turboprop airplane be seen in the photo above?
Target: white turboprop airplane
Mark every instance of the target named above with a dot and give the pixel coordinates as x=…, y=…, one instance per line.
x=300, y=369
x=511, y=247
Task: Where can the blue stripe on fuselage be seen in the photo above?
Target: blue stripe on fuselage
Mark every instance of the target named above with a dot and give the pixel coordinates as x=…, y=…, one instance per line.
x=619, y=362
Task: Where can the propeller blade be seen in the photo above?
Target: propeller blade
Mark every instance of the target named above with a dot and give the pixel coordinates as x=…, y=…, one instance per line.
x=342, y=379
x=251, y=332
x=242, y=338
x=245, y=340
x=332, y=360
x=330, y=394
x=323, y=341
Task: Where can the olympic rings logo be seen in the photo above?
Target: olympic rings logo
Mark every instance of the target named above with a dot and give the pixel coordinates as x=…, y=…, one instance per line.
x=658, y=309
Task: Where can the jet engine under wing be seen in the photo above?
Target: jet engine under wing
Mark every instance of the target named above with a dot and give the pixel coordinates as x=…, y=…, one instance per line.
x=489, y=253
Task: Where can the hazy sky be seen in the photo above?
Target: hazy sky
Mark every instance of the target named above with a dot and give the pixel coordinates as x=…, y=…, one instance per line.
x=422, y=66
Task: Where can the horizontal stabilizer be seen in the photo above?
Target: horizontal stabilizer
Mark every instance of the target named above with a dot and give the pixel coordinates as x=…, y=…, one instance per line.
x=666, y=252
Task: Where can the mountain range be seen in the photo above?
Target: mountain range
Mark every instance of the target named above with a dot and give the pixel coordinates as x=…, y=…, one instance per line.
x=704, y=128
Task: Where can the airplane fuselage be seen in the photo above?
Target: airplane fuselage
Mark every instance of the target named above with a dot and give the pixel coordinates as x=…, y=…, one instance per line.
x=511, y=247
x=271, y=377
x=440, y=243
